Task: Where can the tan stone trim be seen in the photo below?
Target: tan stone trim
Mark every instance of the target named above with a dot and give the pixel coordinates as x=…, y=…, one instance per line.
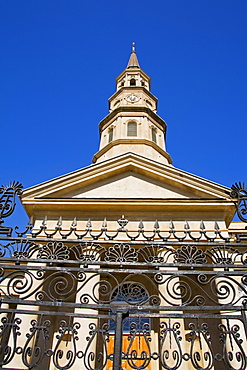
x=126, y=70
x=140, y=201
x=136, y=117
x=132, y=141
x=130, y=109
x=132, y=89
x=165, y=209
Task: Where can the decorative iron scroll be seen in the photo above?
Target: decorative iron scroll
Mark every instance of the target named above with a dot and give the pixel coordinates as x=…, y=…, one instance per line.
x=65, y=350
x=184, y=304
x=156, y=255
x=90, y=287
x=7, y=203
x=87, y=343
x=239, y=190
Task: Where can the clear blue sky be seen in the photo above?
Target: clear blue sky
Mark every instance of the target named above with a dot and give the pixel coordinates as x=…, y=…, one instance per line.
x=59, y=61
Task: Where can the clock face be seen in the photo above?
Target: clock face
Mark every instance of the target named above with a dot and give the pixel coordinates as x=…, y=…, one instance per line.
x=132, y=98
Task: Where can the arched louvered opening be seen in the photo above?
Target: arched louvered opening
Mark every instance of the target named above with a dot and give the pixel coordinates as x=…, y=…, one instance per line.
x=132, y=128
x=132, y=82
x=154, y=135
x=110, y=135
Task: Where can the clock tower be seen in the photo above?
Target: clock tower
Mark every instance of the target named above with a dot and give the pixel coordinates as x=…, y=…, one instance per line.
x=132, y=124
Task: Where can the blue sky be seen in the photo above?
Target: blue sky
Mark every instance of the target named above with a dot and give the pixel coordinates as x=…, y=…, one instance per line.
x=59, y=61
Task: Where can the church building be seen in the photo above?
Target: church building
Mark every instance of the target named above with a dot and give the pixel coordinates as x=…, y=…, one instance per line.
x=132, y=173
x=130, y=262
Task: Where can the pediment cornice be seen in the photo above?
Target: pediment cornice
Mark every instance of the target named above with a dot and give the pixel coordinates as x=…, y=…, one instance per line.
x=62, y=186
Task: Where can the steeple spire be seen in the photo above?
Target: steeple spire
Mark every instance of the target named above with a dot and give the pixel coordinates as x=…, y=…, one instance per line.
x=132, y=124
x=133, y=61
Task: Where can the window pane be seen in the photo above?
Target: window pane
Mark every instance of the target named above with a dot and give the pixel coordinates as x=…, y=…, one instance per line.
x=131, y=293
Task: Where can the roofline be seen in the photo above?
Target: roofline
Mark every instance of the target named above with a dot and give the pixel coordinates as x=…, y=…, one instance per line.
x=126, y=156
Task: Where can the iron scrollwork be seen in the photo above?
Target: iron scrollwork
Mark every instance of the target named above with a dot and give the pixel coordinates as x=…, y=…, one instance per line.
x=233, y=353
x=190, y=255
x=65, y=292
x=35, y=348
x=138, y=357
x=54, y=251
x=7, y=203
x=69, y=334
x=201, y=352
x=240, y=191
x=171, y=355
x=9, y=332
x=97, y=335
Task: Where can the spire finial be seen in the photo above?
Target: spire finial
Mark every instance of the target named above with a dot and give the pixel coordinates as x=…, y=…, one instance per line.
x=133, y=61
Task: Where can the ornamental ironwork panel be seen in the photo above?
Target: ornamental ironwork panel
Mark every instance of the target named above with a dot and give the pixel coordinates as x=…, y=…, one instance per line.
x=7, y=203
x=122, y=299
x=97, y=304
x=239, y=191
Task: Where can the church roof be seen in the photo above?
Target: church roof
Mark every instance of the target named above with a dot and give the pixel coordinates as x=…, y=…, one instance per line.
x=195, y=185
x=129, y=179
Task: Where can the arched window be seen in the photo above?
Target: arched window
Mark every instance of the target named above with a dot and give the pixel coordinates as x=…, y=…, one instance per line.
x=154, y=135
x=132, y=82
x=131, y=293
x=110, y=135
x=132, y=129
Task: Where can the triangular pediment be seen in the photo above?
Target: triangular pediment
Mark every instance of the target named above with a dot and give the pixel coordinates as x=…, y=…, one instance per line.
x=127, y=176
x=130, y=184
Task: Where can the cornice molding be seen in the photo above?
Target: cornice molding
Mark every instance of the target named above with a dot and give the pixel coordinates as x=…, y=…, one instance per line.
x=132, y=69
x=132, y=141
x=122, y=163
x=131, y=89
x=118, y=110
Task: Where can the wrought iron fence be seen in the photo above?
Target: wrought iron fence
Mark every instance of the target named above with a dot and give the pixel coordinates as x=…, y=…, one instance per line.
x=98, y=299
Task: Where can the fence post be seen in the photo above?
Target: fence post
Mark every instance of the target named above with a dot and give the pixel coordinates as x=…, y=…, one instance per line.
x=117, y=357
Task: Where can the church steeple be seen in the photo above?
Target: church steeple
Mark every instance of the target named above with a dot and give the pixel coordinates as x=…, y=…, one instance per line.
x=133, y=75
x=132, y=124
x=133, y=61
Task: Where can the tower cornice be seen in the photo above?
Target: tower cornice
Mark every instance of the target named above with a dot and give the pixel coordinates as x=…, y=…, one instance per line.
x=146, y=110
x=131, y=89
x=129, y=142
x=132, y=69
